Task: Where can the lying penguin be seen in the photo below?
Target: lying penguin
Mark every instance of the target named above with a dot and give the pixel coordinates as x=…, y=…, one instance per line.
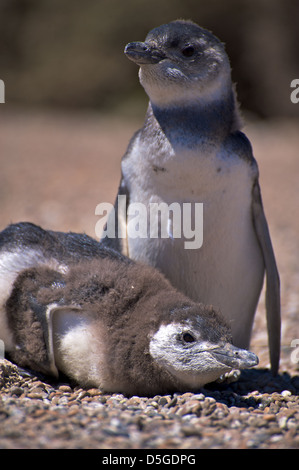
x=70, y=305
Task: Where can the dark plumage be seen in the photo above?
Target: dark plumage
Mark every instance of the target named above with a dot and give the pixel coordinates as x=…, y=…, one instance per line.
x=66, y=247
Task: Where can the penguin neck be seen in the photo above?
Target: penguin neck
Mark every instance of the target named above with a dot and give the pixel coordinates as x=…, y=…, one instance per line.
x=193, y=124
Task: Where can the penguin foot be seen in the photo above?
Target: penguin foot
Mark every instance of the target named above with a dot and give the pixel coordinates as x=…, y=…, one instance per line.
x=229, y=377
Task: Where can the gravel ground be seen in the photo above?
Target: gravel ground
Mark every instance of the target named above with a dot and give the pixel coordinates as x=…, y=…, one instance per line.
x=55, y=169
x=256, y=412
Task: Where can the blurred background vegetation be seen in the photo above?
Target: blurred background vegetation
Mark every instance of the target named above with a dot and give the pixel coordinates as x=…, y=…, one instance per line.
x=69, y=54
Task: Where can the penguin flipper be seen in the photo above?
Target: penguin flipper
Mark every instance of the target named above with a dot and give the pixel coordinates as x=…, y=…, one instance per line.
x=30, y=320
x=45, y=317
x=42, y=354
x=120, y=241
x=56, y=320
x=34, y=339
x=272, y=278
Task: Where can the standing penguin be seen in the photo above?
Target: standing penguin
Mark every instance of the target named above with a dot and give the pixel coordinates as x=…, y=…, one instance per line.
x=191, y=150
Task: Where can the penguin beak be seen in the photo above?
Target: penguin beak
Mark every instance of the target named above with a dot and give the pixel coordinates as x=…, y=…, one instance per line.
x=234, y=357
x=143, y=53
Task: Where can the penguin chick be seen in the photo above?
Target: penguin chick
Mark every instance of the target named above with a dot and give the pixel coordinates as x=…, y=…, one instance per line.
x=121, y=328
x=111, y=323
x=191, y=150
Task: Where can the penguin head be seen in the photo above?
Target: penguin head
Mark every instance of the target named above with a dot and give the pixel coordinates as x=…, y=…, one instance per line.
x=195, y=347
x=180, y=62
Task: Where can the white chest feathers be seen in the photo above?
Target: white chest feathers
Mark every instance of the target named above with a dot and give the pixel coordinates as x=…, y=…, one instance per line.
x=222, y=263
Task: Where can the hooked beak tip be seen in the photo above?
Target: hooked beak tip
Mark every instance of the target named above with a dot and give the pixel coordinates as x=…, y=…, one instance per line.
x=142, y=53
x=234, y=357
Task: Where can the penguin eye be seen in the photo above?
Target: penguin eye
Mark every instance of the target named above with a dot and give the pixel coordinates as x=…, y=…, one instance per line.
x=188, y=51
x=188, y=338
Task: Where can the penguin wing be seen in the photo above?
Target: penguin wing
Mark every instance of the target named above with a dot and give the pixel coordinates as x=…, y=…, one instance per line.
x=118, y=219
x=54, y=320
x=44, y=314
x=57, y=319
x=118, y=216
x=272, y=278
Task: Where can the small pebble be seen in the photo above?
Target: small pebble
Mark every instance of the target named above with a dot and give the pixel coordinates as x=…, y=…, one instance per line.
x=65, y=388
x=172, y=402
x=199, y=396
x=34, y=395
x=17, y=391
x=93, y=392
x=163, y=401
